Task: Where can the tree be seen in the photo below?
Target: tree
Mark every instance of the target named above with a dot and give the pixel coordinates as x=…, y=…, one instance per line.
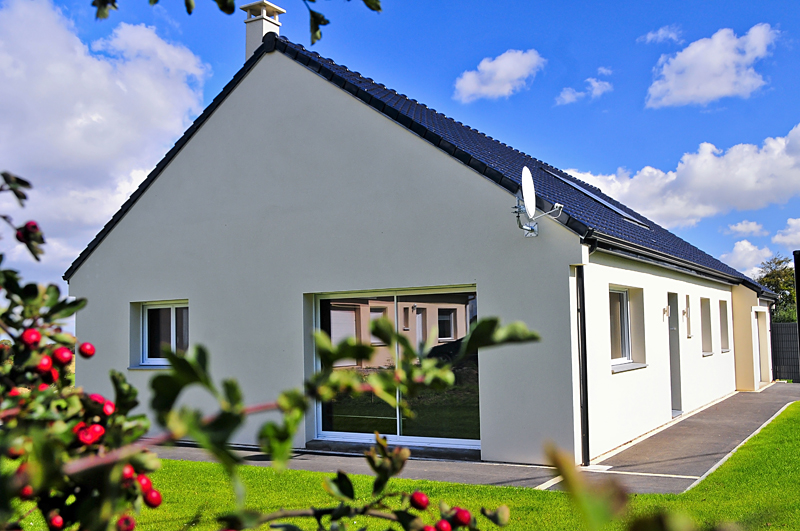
x=777, y=274
x=316, y=19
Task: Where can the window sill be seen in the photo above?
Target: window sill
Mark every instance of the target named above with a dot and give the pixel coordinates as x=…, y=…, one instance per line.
x=725, y=350
x=149, y=367
x=707, y=354
x=625, y=367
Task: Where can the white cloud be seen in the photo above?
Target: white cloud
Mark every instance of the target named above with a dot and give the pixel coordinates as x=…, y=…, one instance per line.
x=603, y=71
x=594, y=88
x=790, y=236
x=499, y=77
x=746, y=257
x=84, y=123
x=712, y=68
x=747, y=228
x=598, y=88
x=569, y=95
x=664, y=33
x=710, y=181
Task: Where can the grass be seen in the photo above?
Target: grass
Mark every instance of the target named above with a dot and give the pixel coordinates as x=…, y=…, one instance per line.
x=759, y=486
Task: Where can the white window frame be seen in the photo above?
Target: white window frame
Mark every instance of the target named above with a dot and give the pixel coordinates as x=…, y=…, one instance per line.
x=452, y=313
x=624, y=328
x=145, y=359
x=403, y=440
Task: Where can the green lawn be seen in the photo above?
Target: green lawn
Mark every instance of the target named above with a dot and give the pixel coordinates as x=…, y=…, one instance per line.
x=759, y=487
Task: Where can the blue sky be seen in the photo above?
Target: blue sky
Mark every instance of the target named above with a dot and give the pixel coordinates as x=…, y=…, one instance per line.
x=683, y=110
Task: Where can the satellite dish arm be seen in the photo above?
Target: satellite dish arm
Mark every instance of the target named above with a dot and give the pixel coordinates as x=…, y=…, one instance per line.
x=532, y=228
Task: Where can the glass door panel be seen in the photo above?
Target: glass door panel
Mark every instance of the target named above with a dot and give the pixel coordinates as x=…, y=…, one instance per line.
x=454, y=413
x=342, y=318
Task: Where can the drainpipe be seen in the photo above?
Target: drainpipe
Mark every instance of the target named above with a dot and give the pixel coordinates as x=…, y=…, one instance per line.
x=797, y=293
x=583, y=367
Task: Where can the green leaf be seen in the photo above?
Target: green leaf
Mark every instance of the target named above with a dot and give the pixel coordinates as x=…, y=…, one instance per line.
x=233, y=394
x=488, y=333
x=383, y=329
x=125, y=395
x=374, y=5
x=500, y=517
x=226, y=6
x=410, y=522
x=64, y=309
x=339, y=487
x=241, y=519
x=316, y=20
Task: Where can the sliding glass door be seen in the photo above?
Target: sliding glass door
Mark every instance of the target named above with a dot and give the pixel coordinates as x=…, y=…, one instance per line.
x=446, y=418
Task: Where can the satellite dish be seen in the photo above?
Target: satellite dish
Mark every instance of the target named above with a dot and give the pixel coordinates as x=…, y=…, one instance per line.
x=528, y=193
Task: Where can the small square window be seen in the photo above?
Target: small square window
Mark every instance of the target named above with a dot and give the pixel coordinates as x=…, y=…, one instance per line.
x=447, y=327
x=164, y=325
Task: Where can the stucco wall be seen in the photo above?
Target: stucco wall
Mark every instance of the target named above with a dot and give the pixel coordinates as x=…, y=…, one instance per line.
x=294, y=187
x=627, y=404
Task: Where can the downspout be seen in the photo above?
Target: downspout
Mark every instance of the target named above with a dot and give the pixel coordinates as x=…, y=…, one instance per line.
x=583, y=367
x=797, y=293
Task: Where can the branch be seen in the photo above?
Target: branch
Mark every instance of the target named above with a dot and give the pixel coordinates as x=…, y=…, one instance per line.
x=8, y=413
x=314, y=513
x=87, y=463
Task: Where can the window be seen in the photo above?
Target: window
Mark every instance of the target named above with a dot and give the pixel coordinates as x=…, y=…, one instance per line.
x=438, y=415
x=705, y=326
x=446, y=324
x=724, y=336
x=620, y=326
x=164, y=325
x=374, y=315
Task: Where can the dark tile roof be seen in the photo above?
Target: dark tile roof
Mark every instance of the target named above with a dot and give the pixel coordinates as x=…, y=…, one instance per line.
x=499, y=162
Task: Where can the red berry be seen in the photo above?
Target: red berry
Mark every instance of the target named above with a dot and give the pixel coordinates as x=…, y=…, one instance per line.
x=56, y=522
x=145, y=483
x=91, y=434
x=62, y=356
x=26, y=492
x=126, y=523
x=128, y=472
x=443, y=525
x=53, y=376
x=100, y=399
x=43, y=387
x=31, y=226
x=86, y=437
x=45, y=364
x=15, y=452
x=428, y=528
x=109, y=408
x=419, y=500
x=152, y=498
x=21, y=236
x=78, y=427
x=14, y=392
x=86, y=350
x=462, y=517
x=31, y=337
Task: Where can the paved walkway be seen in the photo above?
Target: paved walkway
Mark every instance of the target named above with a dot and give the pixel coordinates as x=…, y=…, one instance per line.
x=669, y=461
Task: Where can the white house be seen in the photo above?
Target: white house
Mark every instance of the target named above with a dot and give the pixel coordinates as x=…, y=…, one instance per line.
x=308, y=196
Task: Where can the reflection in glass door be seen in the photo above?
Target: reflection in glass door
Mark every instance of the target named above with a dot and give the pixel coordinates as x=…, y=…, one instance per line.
x=451, y=414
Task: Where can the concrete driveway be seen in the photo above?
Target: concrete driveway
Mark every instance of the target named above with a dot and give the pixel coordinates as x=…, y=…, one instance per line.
x=667, y=461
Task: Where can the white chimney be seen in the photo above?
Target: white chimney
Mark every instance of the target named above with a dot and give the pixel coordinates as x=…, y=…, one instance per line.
x=262, y=17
